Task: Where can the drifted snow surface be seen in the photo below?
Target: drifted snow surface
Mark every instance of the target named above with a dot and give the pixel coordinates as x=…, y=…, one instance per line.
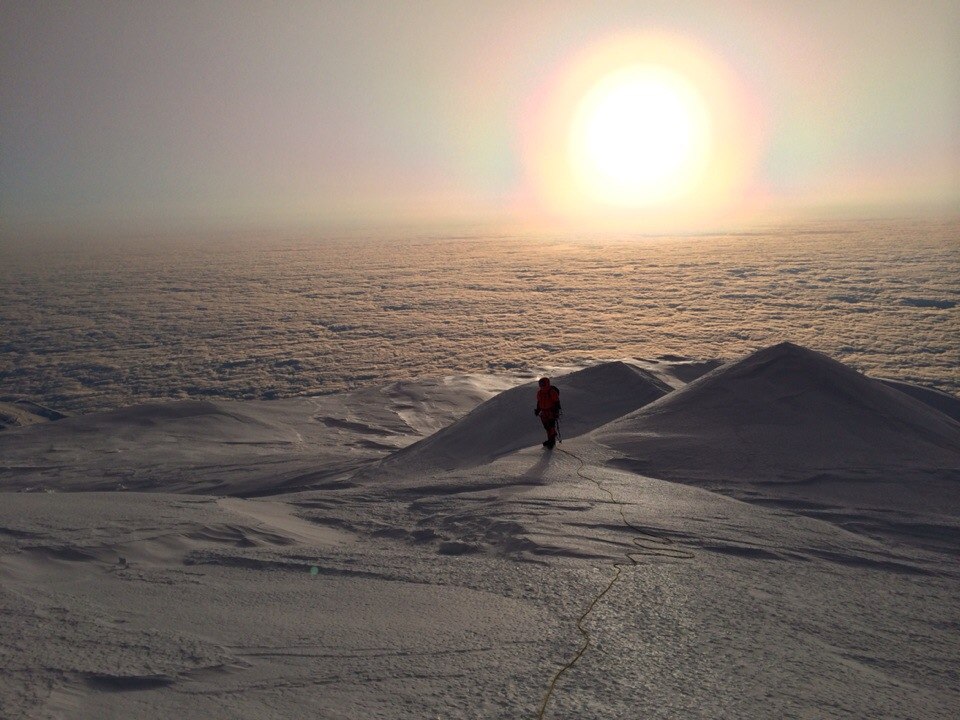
x=785, y=531
x=593, y=396
x=788, y=422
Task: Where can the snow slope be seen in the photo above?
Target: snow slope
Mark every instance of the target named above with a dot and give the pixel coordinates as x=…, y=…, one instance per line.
x=396, y=576
x=231, y=447
x=794, y=428
x=937, y=399
x=20, y=413
x=590, y=398
x=786, y=414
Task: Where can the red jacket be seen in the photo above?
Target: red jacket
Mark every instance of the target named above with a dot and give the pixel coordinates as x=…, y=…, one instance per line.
x=548, y=400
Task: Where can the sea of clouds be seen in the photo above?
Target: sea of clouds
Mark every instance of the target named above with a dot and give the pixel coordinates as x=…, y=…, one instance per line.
x=95, y=325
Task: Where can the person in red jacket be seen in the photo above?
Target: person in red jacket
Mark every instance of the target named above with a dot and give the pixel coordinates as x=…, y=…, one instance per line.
x=548, y=410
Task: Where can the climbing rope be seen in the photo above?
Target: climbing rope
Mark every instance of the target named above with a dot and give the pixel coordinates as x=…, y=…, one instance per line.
x=647, y=545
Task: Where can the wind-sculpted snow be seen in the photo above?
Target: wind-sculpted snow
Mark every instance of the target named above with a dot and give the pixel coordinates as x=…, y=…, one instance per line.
x=792, y=427
x=234, y=448
x=590, y=398
x=97, y=326
x=787, y=414
x=404, y=590
x=21, y=413
x=944, y=402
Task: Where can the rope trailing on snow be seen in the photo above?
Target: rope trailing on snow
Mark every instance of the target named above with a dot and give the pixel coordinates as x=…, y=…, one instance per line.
x=647, y=545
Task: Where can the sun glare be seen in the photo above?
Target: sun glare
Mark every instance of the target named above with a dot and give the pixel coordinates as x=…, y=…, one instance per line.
x=649, y=128
x=640, y=136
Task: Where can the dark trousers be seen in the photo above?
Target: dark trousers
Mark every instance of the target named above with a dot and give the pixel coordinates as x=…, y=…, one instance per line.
x=550, y=425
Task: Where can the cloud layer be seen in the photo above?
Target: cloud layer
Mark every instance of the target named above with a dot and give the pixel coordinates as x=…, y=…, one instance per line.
x=98, y=326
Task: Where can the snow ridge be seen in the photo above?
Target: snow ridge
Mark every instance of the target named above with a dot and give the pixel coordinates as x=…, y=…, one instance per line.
x=505, y=423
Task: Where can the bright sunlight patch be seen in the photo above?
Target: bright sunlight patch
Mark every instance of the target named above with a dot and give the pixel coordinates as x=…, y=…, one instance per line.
x=648, y=128
x=640, y=136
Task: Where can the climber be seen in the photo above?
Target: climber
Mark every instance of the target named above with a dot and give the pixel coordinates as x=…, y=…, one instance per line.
x=548, y=410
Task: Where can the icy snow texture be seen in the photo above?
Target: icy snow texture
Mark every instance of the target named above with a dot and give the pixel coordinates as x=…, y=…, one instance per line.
x=236, y=448
x=405, y=591
x=98, y=326
x=589, y=398
x=792, y=415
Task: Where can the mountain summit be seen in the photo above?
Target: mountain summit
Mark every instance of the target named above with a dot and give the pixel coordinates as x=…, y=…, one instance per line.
x=786, y=414
x=590, y=397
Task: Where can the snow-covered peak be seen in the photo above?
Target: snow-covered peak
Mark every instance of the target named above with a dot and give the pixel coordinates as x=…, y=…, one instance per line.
x=787, y=414
x=590, y=397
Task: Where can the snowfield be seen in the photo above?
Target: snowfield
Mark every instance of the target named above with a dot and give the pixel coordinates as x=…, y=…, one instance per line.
x=776, y=537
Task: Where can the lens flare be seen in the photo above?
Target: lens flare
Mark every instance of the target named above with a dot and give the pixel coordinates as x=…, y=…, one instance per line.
x=649, y=127
x=640, y=136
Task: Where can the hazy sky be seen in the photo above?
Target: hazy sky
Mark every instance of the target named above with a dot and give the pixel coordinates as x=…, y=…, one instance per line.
x=127, y=116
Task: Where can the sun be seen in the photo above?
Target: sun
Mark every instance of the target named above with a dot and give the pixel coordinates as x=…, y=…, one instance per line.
x=643, y=129
x=640, y=136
